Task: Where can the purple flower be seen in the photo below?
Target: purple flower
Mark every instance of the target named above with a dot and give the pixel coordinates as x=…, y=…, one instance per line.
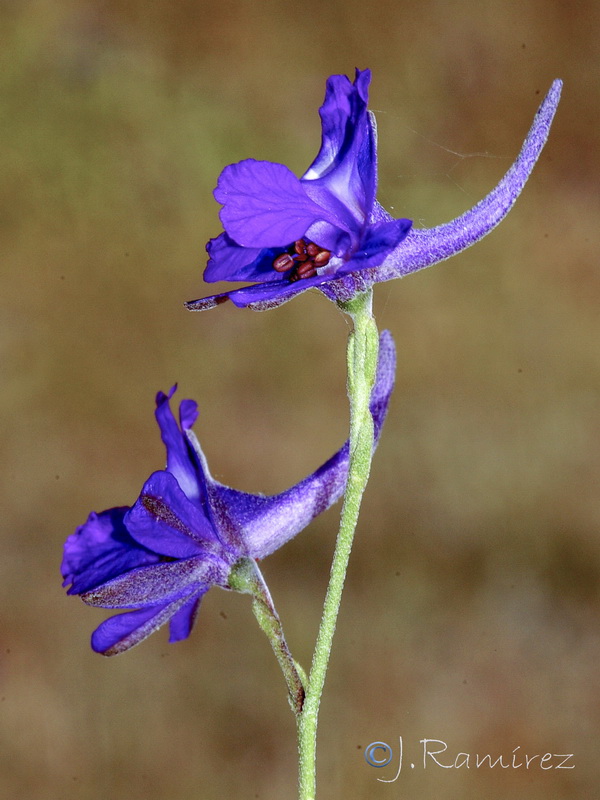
x=186, y=531
x=327, y=230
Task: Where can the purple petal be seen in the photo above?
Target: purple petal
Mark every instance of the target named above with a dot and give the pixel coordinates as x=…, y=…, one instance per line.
x=422, y=248
x=165, y=521
x=379, y=240
x=101, y=549
x=269, y=522
x=119, y=633
x=229, y=261
x=188, y=414
x=339, y=239
x=158, y=583
x=264, y=204
x=183, y=621
x=178, y=458
x=261, y=296
x=346, y=165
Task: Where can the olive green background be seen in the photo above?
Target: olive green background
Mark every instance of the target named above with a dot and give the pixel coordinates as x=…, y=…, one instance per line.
x=472, y=607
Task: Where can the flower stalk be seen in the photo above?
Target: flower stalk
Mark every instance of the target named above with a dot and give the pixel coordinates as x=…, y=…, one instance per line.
x=362, y=354
x=246, y=577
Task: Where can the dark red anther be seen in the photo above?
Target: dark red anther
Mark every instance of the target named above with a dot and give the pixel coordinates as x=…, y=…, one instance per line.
x=303, y=258
x=306, y=270
x=322, y=258
x=300, y=250
x=283, y=262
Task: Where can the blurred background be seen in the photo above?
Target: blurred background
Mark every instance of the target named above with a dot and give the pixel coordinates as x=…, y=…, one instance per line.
x=472, y=607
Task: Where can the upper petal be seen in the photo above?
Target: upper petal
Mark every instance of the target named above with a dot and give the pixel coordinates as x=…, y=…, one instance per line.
x=264, y=204
x=179, y=463
x=101, y=549
x=165, y=521
x=346, y=165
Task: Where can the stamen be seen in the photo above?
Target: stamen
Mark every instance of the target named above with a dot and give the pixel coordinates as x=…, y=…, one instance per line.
x=283, y=262
x=306, y=270
x=322, y=258
x=302, y=259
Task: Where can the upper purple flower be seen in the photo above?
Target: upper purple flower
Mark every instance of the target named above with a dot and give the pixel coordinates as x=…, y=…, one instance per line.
x=186, y=531
x=327, y=230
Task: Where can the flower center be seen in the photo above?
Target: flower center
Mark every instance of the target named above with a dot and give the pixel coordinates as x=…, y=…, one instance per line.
x=303, y=259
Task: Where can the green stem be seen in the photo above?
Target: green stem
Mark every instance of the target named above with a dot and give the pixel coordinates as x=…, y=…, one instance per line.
x=245, y=576
x=363, y=345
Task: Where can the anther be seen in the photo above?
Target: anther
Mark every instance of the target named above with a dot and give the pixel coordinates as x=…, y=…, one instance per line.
x=300, y=250
x=322, y=258
x=306, y=270
x=302, y=260
x=283, y=262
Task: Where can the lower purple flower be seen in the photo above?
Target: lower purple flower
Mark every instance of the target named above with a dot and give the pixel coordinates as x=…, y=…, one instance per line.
x=186, y=531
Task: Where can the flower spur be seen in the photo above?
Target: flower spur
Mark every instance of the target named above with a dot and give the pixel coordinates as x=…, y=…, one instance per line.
x=326, y=230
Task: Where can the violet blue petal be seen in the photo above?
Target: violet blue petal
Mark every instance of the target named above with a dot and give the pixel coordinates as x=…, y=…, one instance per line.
x=377, y=243
x=269, y=522
x=229, y=261
x=178, y=461
x=119, y=633
x=264, y=204
x=183, y=620
x=101, y=549
x=346, y=165
x=260, y=296
x=165, y=521
x=157, y=583
x=340, y=114
x=188, y=414
x=339, y=241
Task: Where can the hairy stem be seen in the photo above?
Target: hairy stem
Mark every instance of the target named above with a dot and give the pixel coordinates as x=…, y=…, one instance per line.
x=363, y=346
x=246, y=577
